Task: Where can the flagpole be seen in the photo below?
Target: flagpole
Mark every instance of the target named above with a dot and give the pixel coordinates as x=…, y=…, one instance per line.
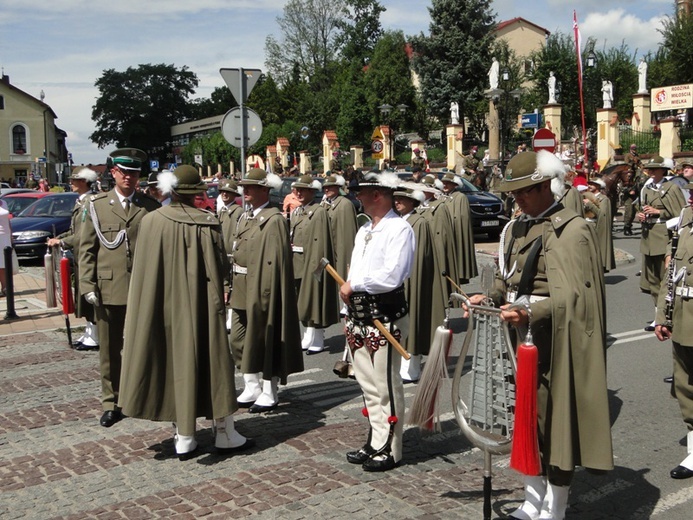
x=578, y=43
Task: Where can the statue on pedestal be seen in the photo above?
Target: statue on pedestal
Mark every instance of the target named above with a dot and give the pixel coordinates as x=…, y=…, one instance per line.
x=493, y=73
x=454, y=113
x=552, y=89
x=642, y=77
x=607, y=93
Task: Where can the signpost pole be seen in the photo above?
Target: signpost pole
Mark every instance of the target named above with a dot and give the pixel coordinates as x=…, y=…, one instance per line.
x=244, y=121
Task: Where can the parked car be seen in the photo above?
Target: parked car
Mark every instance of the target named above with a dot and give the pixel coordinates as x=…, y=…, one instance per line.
x=18, y=202
x=486, y=209
x=47, y=217
x=8, y=190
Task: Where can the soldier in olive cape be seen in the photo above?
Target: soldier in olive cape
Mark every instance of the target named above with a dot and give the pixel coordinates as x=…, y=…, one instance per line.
x=311, y=241
x=680, y=328
x=176, y=362
x=436, y=212
x=265, y=336
x=107, y=245
x=659, y=201
x=599, y=206
x=342, y=213
x=424, y=290
x=229, y=212
x=458, y=206
x=81, y=180
x=565, y=293
x=567, y=194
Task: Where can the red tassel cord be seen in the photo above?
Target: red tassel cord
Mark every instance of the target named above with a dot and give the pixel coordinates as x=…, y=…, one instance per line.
x=524, y=456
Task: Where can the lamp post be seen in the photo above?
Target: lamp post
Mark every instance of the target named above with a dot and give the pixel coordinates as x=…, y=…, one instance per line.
x=385, y=111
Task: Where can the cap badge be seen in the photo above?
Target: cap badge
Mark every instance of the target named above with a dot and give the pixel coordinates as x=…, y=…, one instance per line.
x=509, y=174
x=536, y=176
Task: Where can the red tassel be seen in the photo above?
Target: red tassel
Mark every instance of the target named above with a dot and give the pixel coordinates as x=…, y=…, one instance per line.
x=66, y=286
x=392, y=419
x=364, y=411
x=524, y=456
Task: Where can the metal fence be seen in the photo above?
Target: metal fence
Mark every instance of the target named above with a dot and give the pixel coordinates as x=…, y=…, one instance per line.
x=647, y=142
x=686, y=136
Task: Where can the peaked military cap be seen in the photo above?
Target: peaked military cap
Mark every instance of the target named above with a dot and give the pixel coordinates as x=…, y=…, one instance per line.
x=127, y=159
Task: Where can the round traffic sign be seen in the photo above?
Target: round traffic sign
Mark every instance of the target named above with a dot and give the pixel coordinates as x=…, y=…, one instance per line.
x=544, y=139
x=232, y=130
x=377, y=146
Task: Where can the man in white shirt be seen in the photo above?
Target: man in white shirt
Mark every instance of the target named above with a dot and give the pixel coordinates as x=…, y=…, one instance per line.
x=380, y=263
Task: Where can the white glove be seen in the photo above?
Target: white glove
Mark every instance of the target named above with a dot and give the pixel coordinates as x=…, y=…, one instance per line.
x=92, y=298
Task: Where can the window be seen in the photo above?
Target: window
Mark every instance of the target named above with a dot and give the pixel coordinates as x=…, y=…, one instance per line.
x=19, y=139
x=2, y=103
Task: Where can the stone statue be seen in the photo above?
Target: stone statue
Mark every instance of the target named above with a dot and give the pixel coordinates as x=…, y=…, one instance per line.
x=552, y=89
x=455, y=113
x=493, y=74
x=607, y=93
x=642, y=77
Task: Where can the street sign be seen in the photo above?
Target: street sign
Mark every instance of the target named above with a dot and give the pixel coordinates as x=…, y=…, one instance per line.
x=232, y=127
x=377, y=134
x=233, y=78
x=154, y=165
x=530, y=120
x=377, y=149
x=544, y=139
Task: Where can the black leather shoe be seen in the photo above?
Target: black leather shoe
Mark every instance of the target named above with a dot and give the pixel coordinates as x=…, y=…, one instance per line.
x=76, y=343
x=259, y=408
x=82, y=347
x=189, y=454
x=380, y=465
x=681, y=472
x=649, y=328
x=249, y=443
x=360, y=456
x=669, y=379
x=110, y=417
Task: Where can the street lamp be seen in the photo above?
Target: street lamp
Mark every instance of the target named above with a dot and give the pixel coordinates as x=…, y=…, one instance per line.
x=385, y=111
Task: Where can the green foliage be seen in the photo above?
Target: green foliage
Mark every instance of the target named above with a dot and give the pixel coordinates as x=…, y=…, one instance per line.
x=138, y=107
x=360, y=30
x=678, y=50
x=452, y=62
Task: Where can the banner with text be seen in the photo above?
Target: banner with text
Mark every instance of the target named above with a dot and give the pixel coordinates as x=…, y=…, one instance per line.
x=672, y=98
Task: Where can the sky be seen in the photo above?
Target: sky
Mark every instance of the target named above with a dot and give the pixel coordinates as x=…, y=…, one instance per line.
x=63, y=46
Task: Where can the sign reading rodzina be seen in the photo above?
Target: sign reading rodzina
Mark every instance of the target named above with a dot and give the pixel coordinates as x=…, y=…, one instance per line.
x=672, y=98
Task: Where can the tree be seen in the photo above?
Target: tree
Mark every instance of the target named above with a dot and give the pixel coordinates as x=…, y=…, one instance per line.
x=309, y=33
x=361, y=30
x=138, y=107
x=453, y=60
x=220, y=102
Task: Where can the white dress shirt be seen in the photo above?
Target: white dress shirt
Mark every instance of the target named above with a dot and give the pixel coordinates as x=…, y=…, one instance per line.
x=382, y=255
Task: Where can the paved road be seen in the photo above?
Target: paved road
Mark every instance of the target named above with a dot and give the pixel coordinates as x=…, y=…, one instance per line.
x=57, y=462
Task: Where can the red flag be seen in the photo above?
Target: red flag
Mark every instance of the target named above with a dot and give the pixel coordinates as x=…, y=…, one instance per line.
x=578, y=52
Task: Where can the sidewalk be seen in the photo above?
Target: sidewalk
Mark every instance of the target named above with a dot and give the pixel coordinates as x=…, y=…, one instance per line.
x=30, y=307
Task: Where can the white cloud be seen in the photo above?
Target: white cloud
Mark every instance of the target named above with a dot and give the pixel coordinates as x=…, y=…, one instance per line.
x=615, y=26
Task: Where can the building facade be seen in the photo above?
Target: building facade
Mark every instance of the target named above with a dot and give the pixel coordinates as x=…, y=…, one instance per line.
x=30, y=143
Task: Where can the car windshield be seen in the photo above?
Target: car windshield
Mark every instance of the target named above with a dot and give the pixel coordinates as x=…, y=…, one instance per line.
x=467, y=186
x=56, y=206
x=15, y=205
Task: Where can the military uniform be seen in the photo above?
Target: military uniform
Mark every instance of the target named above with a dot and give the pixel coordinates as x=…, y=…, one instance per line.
x=629, y=196
x=458, y=207
x=265, y=336
x=343, y=225
x=668, y=199
x=311, y=241
x=418, y=162
x=681, y=325
x=107, y=246
x=551, y=259
x=598, y=211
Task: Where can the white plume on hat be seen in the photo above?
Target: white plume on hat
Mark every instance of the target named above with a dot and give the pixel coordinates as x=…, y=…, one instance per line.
x=166, y=182
x=558, y=187
x=88, y=175
x=668, y=163
x=581, y=187
x=389, y=180
x=549, y=166
x=273, y=181
x=339, y=180
x=316, y=185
